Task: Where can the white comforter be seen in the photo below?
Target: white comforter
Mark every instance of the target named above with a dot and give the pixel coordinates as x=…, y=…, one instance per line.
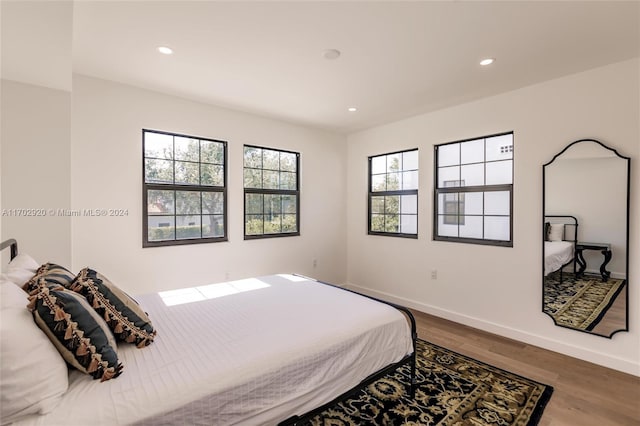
x=246, y=352
x=556, y=254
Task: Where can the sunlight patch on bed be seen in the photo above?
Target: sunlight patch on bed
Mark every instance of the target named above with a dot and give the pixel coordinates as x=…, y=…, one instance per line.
x=183, y=295
x=295, y=278
x=210, y=291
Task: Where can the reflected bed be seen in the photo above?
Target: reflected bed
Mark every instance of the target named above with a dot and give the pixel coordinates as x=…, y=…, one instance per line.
x=560, y=239
x=556, y=255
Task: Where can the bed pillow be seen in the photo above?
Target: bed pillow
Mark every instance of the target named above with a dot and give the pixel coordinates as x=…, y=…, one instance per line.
x=547, y=229
x=124, y=316
x=10, y=298
x=54, y=274
x=21, y=269
x=556, y=232
x=77, y=331
x=33, y=374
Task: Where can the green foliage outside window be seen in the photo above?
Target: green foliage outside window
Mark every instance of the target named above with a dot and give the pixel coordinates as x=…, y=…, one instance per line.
x=393, y=193
x=184, y=182
x=271, y=192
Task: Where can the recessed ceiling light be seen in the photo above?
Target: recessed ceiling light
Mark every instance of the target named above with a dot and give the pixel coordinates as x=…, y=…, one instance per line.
x=352, y=109
x=165, y=50
x=487, y=61
x=331, y=54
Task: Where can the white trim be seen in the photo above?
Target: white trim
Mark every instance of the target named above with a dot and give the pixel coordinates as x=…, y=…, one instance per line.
x=605, y=360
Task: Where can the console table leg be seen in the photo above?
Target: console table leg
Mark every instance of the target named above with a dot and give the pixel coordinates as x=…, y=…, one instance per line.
x=603, y=270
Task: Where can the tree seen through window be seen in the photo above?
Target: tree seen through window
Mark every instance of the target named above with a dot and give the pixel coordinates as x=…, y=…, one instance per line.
x=393, y=194
x=184, y=189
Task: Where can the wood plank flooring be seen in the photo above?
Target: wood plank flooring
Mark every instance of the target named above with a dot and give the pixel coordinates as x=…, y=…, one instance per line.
x=616, y=317
x=584, y=394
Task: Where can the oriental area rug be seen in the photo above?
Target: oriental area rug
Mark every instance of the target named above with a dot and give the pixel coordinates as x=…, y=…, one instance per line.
x=579, y=302
x=454, y=390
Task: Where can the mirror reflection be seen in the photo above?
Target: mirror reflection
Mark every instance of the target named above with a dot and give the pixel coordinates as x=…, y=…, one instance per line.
x=585, y=231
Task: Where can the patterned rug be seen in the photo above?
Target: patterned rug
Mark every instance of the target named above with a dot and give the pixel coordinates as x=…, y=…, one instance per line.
x=454, y=390
x=579, y=302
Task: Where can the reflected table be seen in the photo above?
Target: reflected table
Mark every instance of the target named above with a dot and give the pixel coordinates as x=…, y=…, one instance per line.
x=604, y=248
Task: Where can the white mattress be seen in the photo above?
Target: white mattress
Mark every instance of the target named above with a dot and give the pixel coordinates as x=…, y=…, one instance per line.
x=254, y=351
x=556, y=254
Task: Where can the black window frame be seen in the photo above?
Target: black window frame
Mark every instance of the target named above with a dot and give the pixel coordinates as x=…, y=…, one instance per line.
x=146, y=187
x=262, y=191
x=462, y=190
x=386, y=193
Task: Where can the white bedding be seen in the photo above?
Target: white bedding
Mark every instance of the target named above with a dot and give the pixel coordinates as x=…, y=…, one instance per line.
x=254, y=351
x=556, y=254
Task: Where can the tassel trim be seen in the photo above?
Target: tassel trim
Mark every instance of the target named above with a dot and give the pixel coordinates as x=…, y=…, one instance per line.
x=49, y=270
x=59, y=314
x=68, y=334
x=123, y=328
x=73, y=337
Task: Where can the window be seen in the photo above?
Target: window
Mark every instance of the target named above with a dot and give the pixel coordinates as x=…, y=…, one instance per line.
x=393, y=194
x=474, y=191
x=271, y=193
x=185, y=193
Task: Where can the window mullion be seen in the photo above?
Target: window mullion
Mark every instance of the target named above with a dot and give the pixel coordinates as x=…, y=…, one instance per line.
x=175, y=213
x=173, y=158
x=488, y=188
x=200, y=175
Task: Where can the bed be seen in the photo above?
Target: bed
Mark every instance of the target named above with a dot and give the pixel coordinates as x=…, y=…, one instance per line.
x=560, y=238
x=268, y=350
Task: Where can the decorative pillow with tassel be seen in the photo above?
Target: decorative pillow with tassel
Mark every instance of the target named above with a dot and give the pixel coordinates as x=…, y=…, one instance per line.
x=124, y=316
x=55, y=275
x=76, y=330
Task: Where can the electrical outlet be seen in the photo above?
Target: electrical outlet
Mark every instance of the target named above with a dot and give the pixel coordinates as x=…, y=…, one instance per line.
x=226, y=276
x=434, y=274
x=315, y=263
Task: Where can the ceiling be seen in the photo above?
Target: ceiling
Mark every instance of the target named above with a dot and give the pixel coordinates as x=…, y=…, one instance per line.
x=398, y=59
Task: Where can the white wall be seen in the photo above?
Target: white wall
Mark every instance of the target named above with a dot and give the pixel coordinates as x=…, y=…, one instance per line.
x=499, y=289
x=106, y=172
x=35, y=170
x=35, y=137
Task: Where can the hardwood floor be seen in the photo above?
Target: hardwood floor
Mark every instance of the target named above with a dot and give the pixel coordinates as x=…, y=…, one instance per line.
x=615, y=318
x=584, y=394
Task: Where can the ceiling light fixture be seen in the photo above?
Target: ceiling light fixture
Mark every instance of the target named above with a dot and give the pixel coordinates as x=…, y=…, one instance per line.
x=352, y=109
x=331, y=54
x=165, y=50
x=487, y=61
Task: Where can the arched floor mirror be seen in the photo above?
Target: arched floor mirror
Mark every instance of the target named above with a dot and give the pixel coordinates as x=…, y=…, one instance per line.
x=586, y=238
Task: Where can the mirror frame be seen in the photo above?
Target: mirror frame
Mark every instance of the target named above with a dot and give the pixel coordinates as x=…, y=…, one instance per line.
x=626, y=289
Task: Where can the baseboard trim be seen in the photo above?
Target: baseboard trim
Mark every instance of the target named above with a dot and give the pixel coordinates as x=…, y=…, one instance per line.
x=614, y=274
x=605, y=360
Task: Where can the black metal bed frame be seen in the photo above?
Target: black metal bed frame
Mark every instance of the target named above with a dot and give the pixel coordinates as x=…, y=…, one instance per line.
x=10, y=243
x=299, y=419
